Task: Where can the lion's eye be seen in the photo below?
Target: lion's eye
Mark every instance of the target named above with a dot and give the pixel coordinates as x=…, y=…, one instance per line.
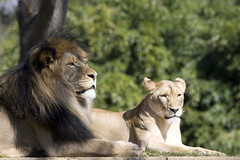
x=71, y=64
x=179, y=95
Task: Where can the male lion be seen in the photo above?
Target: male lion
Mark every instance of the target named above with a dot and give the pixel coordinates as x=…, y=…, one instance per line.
x=39, y=112
x=153, y=124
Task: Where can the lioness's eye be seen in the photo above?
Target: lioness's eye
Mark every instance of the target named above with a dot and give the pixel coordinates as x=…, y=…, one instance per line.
x=179, y=95
x=163, y=96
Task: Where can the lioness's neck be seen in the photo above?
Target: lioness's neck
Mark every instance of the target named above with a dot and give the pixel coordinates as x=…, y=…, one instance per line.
x=145, y=109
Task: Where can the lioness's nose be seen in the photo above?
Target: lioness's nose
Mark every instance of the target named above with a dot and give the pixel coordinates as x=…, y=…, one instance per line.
x=93, y=75
x=174, y=110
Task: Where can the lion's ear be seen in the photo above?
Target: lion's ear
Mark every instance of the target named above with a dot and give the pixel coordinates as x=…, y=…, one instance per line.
x=149, y=84
x=181, y=84
x=47, y=55
x=42, y=57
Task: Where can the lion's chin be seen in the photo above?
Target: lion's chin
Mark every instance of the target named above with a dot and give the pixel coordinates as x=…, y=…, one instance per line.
x=89, y=94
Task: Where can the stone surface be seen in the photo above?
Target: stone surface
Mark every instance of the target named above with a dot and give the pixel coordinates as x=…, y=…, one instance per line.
x=129, y=158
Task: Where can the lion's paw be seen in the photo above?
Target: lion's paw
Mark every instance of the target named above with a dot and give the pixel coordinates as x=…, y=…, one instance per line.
x=128, y=149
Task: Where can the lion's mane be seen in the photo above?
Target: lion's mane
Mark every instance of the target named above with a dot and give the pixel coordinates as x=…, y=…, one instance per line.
x=29, y=91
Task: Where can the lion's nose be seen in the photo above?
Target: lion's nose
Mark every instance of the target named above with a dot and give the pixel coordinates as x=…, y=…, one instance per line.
x=174, y=110
x=93, y=75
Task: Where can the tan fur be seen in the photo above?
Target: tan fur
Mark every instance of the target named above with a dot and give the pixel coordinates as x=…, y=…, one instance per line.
x=149, y=124
x=40, y=112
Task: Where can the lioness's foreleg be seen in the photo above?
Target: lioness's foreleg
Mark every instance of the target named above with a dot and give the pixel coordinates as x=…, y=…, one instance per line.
x=161, y=147
x=153, y=140
x=201, y=150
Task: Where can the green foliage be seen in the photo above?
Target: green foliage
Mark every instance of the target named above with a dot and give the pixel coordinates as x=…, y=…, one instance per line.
x=195, y=40
x=121, y=83
x=9, y=46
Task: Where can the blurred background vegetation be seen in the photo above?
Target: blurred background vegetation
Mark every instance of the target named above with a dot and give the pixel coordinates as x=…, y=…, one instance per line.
x=161, y=39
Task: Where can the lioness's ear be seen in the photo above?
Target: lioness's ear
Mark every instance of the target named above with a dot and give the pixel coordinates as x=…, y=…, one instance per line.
x=47, y=55
x=149, y=84
x=181, y=84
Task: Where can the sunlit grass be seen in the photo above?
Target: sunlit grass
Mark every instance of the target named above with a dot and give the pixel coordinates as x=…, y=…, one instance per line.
x=151, y=153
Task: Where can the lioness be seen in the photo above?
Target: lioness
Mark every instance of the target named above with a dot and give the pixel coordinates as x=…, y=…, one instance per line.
x=153, y=124
x=40, y=114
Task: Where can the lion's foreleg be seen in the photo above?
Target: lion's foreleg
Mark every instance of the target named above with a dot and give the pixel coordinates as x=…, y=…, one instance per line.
x=95, y=147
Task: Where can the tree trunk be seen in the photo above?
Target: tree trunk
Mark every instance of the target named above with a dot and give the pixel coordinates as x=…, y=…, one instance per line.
x=38, y=19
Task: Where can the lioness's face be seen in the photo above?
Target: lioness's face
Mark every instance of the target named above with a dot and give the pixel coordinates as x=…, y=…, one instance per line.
x=166, y=98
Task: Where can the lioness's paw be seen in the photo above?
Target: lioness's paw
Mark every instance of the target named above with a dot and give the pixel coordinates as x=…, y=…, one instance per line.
x=204, y=151
x=215, y=153
x=128, y=149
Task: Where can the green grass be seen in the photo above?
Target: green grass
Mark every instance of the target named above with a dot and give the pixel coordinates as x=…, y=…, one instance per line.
x=150, y=153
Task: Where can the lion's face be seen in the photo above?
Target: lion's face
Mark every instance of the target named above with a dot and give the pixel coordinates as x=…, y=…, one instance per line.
x=166, y=98
x=64, y=57
x=80, y=75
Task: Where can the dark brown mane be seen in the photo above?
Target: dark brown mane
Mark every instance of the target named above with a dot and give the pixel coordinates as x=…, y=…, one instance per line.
x=23, y=97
